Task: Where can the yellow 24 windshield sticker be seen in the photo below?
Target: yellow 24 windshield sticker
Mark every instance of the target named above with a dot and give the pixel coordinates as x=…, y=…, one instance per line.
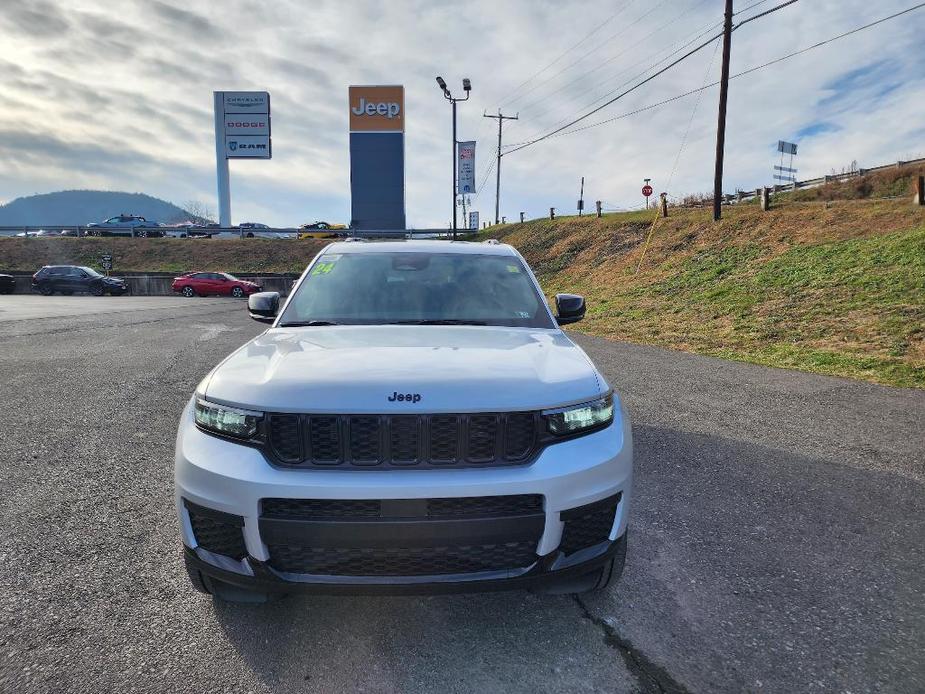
x=324, y=267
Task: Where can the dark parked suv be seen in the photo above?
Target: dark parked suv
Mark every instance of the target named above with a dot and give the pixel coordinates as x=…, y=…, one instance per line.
x=68, y=279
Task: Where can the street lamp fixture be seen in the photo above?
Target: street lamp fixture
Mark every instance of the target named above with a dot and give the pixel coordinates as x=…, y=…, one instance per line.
x=467, y=87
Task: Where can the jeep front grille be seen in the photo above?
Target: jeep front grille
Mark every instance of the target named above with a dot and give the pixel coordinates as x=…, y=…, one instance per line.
x=437, y=440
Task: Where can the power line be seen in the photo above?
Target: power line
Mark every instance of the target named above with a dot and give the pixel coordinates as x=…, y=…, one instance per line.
x=606, y=42
x=645, y=38
x=749, y=71
x=569, y=50
x=618, y=97
x=645, y=81
x=638, y=75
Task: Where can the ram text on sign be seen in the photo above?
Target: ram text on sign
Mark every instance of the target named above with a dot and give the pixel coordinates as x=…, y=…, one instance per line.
x=247, y=147
x=466, y=168
x=377, y=108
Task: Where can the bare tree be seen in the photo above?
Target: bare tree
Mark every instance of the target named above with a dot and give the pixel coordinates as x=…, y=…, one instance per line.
x=199, y=211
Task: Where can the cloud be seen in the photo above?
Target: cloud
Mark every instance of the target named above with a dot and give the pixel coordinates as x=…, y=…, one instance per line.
x=37, y=19
x=184, y=21
x=118, y=99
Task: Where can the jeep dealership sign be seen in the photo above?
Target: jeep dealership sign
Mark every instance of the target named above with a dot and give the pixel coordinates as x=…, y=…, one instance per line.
x=377, y=108
x=376, y=114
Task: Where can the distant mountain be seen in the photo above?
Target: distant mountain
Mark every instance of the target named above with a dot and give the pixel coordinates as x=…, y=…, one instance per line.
x=84, y=206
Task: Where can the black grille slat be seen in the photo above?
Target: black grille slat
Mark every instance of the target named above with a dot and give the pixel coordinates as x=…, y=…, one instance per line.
x=520, y=435
x=515, y=504
x=444, y=438
x=435, y=440
x=365, y=440
x=398, y=561
x=405, y=439
x=286, y=437
x=450, y=507
x=325, y=440
x=482, y=441
x=321, y=508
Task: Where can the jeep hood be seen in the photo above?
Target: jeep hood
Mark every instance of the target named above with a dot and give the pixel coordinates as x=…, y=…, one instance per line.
x=356, y=369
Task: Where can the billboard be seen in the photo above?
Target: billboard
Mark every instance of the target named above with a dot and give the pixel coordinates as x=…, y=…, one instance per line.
x=245, y=124
x=376, y=115
x=377, y=108
x=786, y=147
x=465, y=177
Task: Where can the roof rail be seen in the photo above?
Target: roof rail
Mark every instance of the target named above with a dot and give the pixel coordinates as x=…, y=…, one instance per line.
x=492, y=242
x=352, y=239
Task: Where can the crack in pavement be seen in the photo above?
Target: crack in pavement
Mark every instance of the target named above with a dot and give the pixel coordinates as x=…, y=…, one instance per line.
x=652, y=678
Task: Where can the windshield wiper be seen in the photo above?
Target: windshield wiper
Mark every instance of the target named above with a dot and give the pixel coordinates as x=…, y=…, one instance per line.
x=306, y=323
x=440, y=321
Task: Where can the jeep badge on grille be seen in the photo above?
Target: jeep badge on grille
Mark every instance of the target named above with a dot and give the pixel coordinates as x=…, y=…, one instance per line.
x=404, y=397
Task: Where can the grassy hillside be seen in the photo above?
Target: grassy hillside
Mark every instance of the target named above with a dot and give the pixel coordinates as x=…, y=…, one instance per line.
x=831, y=287
x=160, y=255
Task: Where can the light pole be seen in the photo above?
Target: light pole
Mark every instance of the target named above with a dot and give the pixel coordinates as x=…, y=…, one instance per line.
x=467, y=87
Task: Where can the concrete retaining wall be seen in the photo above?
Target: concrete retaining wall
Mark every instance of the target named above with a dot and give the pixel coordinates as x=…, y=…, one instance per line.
x=159, y=285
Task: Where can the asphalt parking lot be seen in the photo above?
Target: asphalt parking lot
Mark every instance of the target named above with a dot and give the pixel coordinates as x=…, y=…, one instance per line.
x=776, y=540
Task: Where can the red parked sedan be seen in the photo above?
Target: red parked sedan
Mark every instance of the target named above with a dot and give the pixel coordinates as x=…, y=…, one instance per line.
x=208, y=283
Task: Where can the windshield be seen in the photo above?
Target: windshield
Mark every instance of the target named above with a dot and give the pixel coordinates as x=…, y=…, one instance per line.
x=90, y=271
x=418, y=288
x=228, y=277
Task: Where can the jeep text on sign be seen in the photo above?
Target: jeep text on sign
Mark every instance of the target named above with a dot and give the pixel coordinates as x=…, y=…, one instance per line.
x=377, y=108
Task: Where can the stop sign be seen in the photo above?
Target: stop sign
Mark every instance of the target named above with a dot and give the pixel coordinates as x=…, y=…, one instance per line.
x=647, y=190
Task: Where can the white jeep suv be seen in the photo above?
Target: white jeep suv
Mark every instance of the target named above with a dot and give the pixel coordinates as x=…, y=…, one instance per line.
x=413, y=420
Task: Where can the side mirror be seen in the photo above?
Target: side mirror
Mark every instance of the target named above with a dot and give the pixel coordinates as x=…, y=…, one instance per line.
x=263, y=306
x=570, y=308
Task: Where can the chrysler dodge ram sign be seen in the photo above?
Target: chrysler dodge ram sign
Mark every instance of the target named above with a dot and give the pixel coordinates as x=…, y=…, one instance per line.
x=245, y=123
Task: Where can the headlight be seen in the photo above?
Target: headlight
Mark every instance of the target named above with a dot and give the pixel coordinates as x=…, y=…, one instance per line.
x=577, y=418
x=230, y=421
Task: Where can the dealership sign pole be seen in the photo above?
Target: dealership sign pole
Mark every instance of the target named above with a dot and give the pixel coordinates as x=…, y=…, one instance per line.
x=242, y=131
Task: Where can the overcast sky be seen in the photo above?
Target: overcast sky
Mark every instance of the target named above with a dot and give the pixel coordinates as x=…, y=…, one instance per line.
x=116, y=95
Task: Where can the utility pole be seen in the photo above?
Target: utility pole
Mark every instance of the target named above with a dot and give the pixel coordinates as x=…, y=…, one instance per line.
x=501, y=118
x=721, y=119
x=581, y=197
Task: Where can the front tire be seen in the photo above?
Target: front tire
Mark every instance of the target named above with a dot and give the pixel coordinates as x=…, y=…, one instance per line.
x=188, y=292
x=225, y=591
x=237, y=293
x=612, y=570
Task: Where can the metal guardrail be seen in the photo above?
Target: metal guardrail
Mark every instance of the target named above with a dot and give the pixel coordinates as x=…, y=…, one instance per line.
x=822, y=180
x=55, y=231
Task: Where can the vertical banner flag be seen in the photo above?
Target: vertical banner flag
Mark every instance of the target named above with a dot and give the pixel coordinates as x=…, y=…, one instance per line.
x=474, y=220
x=465, y=176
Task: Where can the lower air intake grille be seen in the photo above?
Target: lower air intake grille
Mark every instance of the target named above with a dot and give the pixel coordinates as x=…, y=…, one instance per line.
x=398, y=561
x=216, y=531
x=402, y=537
x=588, y=525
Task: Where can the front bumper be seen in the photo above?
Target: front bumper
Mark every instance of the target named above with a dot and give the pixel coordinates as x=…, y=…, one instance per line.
x=227, y=478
